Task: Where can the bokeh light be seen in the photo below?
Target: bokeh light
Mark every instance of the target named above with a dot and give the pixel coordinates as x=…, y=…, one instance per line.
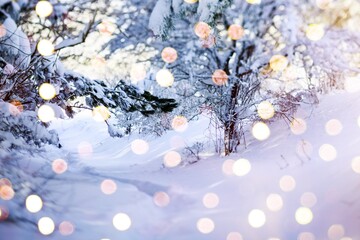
x=211, y=200
x=47, y=91
x=304, y=149
x=274, y=202
x=59, y=166
x=315, y=32
x=106, y=27
x=4, y=213
x=287, y=183
x=46, y=226
x=257, y=218
x=66, y=228
x=164, y=78
x=45, y=47
x=336, y=232
x=205, y=225
x=227, y=167
x=137, y=72
x=241, y=167
x=234, y=236
x=261, y=131
x=303, y=215
x=169, y=55
x=6, y=192
x=139, y=146
x=122, y=221
x=355, y=165
x=327, y=152
x=306, y=236
x=298, y=126
x=254, y=1
x=33, y=203
x=161, y=199
x=2, y=30
x=202, y=30
x=278, y=63
x=308, y=199
x=179, y=123
x=44, y=9
x=220, y=77
x=108, y=186
x=101, y=113
x=85, y=149
x=235, y=32
x=265, y=110
x=46, y=113
x=191, y=1
x=333, y=127
x=172, y=159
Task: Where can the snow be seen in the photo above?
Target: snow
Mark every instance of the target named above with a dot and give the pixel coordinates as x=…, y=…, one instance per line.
x=76, y=196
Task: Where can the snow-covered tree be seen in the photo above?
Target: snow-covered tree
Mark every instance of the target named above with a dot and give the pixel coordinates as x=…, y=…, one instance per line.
x=231, y=55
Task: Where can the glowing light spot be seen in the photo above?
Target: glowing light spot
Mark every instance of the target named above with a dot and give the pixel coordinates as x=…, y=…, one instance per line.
x=137, y=72
x=18, y=106
x=5, y=181
x=44, y=9
x=46, y=226
x=308, y=199
x=169, y=55
x=254, y=1
x=274, y=202
x=327, y=152
x=323, y=4
x=265, y=110
x=66, y=228
x=161, y=199
x=352, y=84
x=278, y=63
x=333, y=127
x=298, y=126
x=101, y=113
x=336, y=231
x=227, y=167
x=304, y=149
x=164, y=78
x=122, y=222
x=59, y=166
x=315, y=32
x=220, y=77
x=211, y=200
x=45, y=47
x=2, y=31
x=235, y=32
x=202, y=30
x=139, y=146
x=33, y=203
x=179, y=123
x=85, y=149
x=303, y=216
x=208, y=42
x=306, y=236
x=257, y=218
x=46, y=113
x=260, y=131
x=191, y=1
x=172, y=159
x=355, y=165
x=6, y=192
x=47, y=91
x=241, y=167
x=108, y=186
x=205, y=225
x=287, y=183
x=234, y=236
x=107, y=27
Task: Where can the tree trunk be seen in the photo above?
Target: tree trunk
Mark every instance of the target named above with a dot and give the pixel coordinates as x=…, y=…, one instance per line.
x=231, y=135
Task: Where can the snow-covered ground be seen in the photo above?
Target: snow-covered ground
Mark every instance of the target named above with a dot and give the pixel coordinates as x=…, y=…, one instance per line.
x=174, y=203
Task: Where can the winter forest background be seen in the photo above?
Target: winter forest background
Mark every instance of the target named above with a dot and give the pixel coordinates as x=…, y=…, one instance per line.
x=180, y=119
